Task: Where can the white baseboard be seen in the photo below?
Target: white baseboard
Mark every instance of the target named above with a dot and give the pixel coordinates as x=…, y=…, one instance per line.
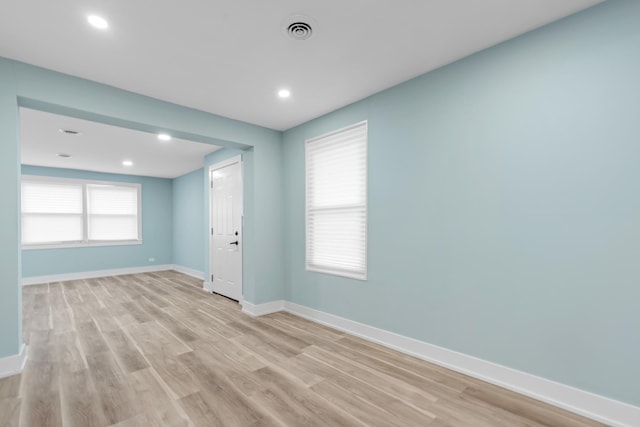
x=13, y=365
x=188, y=271
x=262, y=309
x=37, y=280
x=599, y=408
x=207, y=286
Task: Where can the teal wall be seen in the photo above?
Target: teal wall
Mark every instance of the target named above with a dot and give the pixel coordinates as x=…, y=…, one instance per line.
x=156, y=231
x=10, y=295
x=38, y=88
x=504, y=208
x=188, y=221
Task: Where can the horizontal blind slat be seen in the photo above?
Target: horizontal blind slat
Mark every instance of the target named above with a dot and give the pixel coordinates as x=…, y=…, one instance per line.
x=49, y=197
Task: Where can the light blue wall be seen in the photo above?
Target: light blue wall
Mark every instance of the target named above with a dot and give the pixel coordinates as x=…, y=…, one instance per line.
x=156, y=231
x=504, y=205
x=38, y=88
x=188, y=220
x=10, y=295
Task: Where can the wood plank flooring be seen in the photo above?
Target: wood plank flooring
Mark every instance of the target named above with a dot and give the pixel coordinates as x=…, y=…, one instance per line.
x=155, y=350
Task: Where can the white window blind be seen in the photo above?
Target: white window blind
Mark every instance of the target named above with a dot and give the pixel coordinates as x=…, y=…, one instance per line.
x=51, y=212
x=62, y=212
x=336, y=202
x=112, y=212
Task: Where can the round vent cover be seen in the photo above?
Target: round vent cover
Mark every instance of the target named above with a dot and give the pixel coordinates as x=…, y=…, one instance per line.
x=299, y=30
x=299, y=27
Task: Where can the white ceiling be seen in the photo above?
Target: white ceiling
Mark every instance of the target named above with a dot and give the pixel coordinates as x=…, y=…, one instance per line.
x=231, y=57
x=102, y=148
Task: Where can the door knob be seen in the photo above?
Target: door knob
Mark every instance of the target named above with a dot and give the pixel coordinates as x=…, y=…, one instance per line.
x=234, y=243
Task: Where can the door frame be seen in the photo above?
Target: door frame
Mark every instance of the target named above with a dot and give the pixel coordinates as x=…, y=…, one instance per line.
x=216, y=166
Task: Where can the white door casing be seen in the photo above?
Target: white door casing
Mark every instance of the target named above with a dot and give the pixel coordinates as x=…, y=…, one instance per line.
x=225, y=237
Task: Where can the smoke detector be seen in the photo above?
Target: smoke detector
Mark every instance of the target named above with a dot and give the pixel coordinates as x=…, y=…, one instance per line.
x=298, y=27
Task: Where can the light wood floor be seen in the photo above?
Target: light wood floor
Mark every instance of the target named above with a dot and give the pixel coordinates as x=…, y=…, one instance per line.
x=155, y=350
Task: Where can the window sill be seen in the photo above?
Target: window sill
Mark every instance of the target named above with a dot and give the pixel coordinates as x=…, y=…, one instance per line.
x=338, y=273
x=80, y=245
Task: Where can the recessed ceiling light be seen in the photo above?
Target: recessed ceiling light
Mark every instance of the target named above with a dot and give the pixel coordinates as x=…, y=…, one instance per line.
x=98, y=22
x=284, y=93
x=164, y=137
x=64, y=155
x=127, y=163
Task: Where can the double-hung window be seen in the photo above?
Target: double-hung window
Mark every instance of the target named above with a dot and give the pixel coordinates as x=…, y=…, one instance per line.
x=64, y=212
x=336, y=202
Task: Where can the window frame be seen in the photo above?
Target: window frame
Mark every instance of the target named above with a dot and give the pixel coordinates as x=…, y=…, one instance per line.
x=85, y=242
x=335, y=271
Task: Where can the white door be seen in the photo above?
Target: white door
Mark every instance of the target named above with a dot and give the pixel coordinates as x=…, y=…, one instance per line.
x=226, y=228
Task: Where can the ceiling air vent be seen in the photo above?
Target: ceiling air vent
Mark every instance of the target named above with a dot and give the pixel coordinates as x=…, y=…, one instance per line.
x=69, y=131
x=299, y=31
x=298, y=27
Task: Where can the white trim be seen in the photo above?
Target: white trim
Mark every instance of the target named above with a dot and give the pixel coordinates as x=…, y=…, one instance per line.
x=62, y=180
x=337, y=131
x=37, y=280
x=262, y=309
x=13, y=365
x=91, y=244
x=188, y=271
x=599, y=408
x=206, y=286
x=224, y=163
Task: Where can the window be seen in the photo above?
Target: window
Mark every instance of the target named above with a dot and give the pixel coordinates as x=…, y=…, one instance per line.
x=64, y=212
x=336, y=202
x=112, y=212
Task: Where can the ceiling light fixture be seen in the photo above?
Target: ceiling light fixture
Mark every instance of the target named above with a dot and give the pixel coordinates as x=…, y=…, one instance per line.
x=284, y=93
x=127, y=163
x=164, y=137
x=98, y=22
